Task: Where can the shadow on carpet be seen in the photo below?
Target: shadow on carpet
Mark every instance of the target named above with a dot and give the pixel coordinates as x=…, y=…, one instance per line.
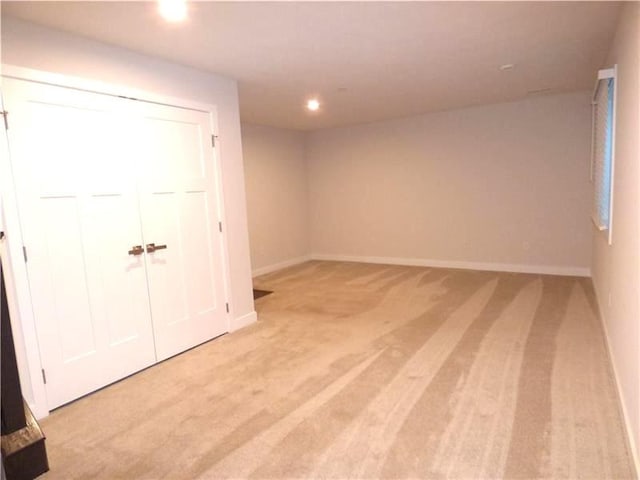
x=260, y=293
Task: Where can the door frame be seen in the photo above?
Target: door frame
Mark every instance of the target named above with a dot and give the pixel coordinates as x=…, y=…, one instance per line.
x=18, y=290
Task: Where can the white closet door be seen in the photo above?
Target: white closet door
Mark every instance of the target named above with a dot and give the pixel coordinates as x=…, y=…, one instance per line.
x=180, y=212
x=72, y=160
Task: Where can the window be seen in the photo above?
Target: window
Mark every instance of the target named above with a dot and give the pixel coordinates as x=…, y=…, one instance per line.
x=602, y=153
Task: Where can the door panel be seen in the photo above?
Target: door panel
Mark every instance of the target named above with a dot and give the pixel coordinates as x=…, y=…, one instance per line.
x=179, y=208
x=166, y=269
x=111, y=266
x=68, y=300
x=79, y=216
x=184, y=162
x=196, y=210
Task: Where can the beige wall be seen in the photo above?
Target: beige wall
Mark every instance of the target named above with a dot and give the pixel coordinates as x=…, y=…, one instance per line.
x=616, y=267
x=277, y=196
x=502, y=186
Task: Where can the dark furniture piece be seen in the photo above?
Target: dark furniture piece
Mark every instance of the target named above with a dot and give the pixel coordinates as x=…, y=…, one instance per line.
x=24, y=455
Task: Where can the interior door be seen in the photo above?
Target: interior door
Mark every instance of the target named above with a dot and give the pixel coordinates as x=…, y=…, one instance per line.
x=180, y=213
x=72, y=161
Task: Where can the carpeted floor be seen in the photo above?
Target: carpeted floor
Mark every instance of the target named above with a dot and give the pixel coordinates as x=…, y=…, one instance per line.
x=369, y=371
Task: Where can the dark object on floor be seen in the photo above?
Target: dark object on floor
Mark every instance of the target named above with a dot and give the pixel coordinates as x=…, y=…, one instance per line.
x=260, y=293
x=24, y=456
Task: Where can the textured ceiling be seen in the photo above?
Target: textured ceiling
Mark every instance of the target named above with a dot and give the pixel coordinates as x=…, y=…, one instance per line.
x=365, y=61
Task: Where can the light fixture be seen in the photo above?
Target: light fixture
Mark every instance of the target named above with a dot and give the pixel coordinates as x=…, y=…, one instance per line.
x=313, y=105
x=173, y=10
x=507, y=66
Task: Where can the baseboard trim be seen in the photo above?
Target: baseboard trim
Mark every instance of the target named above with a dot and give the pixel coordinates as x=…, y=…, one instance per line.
x=493, y=267
x=279, y=266
x=635, y=458
x=243, y=321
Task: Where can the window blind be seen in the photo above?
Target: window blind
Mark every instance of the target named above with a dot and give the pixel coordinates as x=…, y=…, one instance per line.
x=603, y=149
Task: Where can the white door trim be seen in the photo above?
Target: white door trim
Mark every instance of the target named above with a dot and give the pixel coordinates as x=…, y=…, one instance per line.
x=94, y=86
x=18, y=285
x=18, y=293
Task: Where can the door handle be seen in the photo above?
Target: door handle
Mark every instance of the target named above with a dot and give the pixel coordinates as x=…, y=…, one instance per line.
x=136, y=250
x=152, y=247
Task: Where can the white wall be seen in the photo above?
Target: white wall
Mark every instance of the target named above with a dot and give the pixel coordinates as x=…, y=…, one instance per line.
x=616, y=268
x=277, y=196
x=30, y=46
x=501, y=186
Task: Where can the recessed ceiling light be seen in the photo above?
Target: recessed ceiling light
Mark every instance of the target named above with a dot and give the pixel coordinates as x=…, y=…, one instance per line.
x=507, y=66
x=313, y=104
x=173, y=10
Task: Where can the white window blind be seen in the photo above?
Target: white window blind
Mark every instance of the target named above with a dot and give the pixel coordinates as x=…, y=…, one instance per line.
x=602, y=161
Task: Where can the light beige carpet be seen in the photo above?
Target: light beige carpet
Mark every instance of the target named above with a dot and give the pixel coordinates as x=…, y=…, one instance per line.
x=369, y=371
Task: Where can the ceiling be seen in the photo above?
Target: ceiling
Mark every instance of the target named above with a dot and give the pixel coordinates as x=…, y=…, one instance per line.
x=365, y=61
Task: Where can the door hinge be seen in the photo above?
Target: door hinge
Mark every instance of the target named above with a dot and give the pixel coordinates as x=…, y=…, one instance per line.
x=227, y=307
x=24, y=253
x=213, y=140
x=44, y=376
x=5, y=115
x=220, y=226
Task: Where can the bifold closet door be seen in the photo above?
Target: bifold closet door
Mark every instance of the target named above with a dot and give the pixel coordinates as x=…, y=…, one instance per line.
x=118, y=200
x=180, y=214
x=72, y=162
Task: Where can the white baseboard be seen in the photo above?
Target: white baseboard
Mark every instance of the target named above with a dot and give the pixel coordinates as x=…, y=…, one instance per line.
x=494, y=267
x=280, y=265
x=243, y=321
x=629, y=427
